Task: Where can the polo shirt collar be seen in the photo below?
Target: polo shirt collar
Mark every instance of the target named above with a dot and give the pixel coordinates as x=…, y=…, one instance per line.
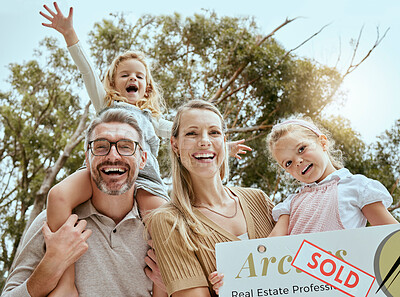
x=87, y=209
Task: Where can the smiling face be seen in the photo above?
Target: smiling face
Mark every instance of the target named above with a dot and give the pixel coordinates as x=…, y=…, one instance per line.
x=303, y=157
x=200, y=143
x=114, y=174
x=130, y=80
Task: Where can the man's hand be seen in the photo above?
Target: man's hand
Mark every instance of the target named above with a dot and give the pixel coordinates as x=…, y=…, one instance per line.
x=63, y=248
x=152, y=271
x=68, y=243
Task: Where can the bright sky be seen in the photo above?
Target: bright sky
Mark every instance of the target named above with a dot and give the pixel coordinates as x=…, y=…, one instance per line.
x=373, y=90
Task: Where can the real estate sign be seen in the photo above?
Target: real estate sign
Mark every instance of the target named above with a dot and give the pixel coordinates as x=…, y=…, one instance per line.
x=357, y=262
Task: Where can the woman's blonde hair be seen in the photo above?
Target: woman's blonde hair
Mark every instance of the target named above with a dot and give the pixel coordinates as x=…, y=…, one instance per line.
x=153, y=99
x=308, y=130
x=182, y=196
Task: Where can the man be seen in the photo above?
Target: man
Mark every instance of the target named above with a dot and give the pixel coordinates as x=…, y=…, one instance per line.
x=109, y=256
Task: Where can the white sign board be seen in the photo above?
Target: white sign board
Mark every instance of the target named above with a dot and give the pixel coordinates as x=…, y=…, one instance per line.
x=357, y=262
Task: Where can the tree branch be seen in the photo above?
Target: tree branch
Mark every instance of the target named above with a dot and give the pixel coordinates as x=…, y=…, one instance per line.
x=248, y=129
x=276, y=65
x=378, y=40
x=243, y=66
x=52, y=172
x=6, y=185
x=257, y=136
x=238, y=89
x=239, y=109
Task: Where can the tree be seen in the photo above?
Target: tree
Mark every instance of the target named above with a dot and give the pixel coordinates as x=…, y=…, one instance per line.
x=385, y=161
x=349, y=142
x=38, y=117
x=252, y=79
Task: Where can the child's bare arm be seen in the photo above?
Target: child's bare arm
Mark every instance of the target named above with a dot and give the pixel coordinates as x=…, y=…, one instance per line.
x=60, y=23
x=377, y=214
x=281, y=227
x=67, y=195
x=66, y=286
x=147, y=202
x=61, y=200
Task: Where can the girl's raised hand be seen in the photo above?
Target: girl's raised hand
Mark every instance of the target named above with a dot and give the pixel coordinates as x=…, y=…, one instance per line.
x=237, y=147
x=62, y=24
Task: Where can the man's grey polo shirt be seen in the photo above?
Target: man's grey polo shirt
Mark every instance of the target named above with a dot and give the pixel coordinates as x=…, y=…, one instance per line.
x=112, y=266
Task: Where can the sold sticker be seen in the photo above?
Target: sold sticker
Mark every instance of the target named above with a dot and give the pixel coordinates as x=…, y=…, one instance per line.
x=332, y=270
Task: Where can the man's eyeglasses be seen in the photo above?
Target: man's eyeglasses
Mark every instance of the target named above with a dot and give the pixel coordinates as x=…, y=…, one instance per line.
x=102, y=147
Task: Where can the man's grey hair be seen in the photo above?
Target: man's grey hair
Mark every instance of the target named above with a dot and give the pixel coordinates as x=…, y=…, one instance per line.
x=112, y=114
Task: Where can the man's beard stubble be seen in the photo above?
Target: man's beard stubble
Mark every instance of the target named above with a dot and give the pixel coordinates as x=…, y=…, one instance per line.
x=102, y=185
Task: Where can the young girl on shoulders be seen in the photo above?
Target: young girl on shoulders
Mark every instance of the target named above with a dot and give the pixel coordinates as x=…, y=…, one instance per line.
x=331, y=198
x=127, y=82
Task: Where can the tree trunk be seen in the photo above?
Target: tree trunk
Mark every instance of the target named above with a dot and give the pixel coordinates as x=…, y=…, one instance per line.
x=52, y=172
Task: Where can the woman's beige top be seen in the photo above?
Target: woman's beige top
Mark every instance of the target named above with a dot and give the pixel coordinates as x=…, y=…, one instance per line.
x=182, y=268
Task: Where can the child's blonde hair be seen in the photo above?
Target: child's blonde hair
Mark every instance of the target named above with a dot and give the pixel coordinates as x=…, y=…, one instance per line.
x=153, y=100
x=309, y=130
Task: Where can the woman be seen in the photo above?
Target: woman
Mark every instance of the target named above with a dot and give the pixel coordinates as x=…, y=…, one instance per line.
x=202, y=211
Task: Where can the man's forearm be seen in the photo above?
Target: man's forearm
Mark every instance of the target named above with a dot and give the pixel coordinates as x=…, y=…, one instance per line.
x=158, y=292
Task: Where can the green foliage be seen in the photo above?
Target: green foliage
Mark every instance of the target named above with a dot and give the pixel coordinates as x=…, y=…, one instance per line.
x=113, y=37
x=384, y=164
x=37, y=118
x=349, y=142
x=202, y=56
x=194, y=56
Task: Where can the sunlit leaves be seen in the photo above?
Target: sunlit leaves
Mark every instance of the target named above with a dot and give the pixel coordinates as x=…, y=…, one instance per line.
x=37, y=116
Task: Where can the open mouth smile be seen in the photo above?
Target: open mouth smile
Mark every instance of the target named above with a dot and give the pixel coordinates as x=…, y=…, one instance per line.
x=204, y=156
x=113, y=171
x=305, y=170
x=132, y=89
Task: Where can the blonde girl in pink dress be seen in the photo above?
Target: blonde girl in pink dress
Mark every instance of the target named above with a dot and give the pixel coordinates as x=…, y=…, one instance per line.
x=330, y=197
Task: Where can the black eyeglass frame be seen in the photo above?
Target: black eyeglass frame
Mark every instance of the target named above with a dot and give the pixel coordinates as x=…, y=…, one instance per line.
x=114, y=143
